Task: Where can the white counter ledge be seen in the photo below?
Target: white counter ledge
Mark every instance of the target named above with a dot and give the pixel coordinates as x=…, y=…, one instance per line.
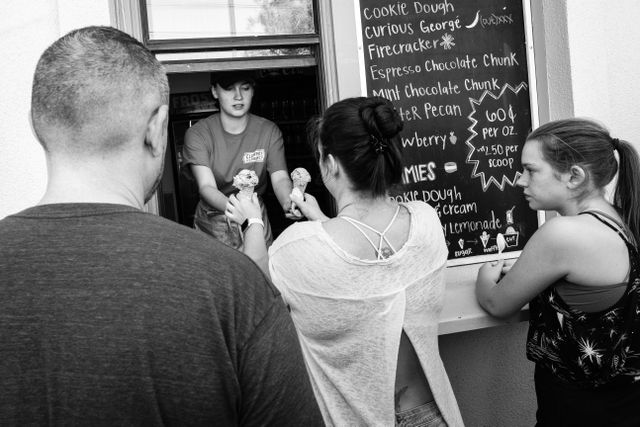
x=461, y=310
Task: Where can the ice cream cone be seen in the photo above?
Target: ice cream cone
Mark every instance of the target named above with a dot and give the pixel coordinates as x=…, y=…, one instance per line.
x=300, y=185
x=246, y=193
x=245, y=181
x=300, y=178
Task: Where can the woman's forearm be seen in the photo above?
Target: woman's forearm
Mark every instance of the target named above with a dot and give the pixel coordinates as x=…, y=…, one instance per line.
x=255, y=247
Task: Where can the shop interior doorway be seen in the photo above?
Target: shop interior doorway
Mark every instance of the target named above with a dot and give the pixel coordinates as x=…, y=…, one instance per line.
x=289, y=97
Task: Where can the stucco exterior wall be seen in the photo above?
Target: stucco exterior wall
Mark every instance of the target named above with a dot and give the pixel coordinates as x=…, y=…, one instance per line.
x=605, y=59
x=26, y=29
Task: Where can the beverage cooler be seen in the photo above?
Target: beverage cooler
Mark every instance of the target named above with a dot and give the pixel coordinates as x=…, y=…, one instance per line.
x=287, y=96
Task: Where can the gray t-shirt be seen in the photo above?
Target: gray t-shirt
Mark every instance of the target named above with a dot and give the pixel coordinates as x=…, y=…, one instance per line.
x=111, y=316
x=258, y=148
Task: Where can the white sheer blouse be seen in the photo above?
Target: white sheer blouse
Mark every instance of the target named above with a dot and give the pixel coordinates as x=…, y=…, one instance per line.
x=350, y=313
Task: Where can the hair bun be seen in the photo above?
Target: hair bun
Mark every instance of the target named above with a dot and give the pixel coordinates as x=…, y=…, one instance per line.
x=381, y=118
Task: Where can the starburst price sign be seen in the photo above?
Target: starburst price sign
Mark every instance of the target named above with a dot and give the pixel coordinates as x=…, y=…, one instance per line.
x=496, y=135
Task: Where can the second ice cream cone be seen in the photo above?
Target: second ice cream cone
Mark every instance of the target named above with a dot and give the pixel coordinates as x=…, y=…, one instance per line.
x=300, y=178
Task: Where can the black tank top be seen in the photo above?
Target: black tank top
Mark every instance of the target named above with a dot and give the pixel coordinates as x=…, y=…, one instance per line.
x=589, y=349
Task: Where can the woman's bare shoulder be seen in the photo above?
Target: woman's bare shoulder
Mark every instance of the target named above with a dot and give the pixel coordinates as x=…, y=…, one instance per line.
x=565, y=231
x=577, y=239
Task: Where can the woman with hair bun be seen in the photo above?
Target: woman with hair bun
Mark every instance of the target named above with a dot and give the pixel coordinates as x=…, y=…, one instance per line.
x=581, y=274
x=365, y=288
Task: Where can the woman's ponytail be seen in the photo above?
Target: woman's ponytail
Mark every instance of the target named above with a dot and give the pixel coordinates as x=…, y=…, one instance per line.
x=627, y=193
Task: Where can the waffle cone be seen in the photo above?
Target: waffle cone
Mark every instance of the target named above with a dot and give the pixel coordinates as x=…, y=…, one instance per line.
x=246, y=193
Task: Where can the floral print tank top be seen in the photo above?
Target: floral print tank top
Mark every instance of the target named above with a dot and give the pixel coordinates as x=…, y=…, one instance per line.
x=589, y=349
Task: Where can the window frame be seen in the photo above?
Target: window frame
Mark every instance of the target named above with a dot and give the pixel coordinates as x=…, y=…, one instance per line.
x=229, y=42
x=127, y=16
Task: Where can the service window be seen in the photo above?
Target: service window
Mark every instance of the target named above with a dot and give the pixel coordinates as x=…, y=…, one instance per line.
x=281, y=40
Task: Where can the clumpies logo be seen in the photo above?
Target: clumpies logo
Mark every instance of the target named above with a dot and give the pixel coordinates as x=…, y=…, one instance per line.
x=253, y=157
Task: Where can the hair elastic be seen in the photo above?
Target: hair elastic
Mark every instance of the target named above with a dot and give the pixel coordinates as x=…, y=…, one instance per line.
x=378, y=144
x=615, y=142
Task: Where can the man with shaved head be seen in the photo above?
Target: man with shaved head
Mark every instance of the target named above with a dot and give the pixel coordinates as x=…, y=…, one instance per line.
x=113, y=316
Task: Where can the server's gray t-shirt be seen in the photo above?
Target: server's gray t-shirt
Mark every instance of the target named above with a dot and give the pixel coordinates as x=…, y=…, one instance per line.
x=259, y=148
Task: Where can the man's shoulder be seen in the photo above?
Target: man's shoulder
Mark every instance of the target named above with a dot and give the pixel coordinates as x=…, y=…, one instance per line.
x=205, y=256
x=197, y=243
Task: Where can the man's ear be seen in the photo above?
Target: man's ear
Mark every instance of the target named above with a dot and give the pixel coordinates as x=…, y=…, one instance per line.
x=156, y=134
x=35, y=133
x=577, y=177
x=33, y=128
x=214, y=92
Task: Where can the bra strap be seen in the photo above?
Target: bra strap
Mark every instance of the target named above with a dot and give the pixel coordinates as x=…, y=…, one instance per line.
x=606, y=220
x=382, y=238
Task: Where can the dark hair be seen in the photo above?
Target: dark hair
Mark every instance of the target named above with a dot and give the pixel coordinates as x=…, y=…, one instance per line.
x=96, y=76
x=226, y=79
x=582, y=142
x=362, y=133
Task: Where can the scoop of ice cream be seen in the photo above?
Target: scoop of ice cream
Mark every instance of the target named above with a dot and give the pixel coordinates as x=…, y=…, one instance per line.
x=245, y=179
x=300, y=177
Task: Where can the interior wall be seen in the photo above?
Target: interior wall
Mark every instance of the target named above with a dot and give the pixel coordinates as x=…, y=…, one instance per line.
x=25, y=32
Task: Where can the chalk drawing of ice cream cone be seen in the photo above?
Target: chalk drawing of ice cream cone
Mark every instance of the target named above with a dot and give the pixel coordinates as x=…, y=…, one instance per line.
x=511, y=235
x=484, y=238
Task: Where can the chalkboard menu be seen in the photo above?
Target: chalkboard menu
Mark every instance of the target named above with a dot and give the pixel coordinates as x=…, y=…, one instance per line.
x=457, y=73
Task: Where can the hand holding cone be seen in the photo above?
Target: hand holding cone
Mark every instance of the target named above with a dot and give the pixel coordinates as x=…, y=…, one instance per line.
x=300, y=178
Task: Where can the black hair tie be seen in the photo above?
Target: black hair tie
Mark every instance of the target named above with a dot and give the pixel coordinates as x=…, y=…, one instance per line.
x=615, y=142
x=378, y=145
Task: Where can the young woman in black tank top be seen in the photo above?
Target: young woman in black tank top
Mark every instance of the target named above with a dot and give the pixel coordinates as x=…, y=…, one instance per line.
x=580, y=272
